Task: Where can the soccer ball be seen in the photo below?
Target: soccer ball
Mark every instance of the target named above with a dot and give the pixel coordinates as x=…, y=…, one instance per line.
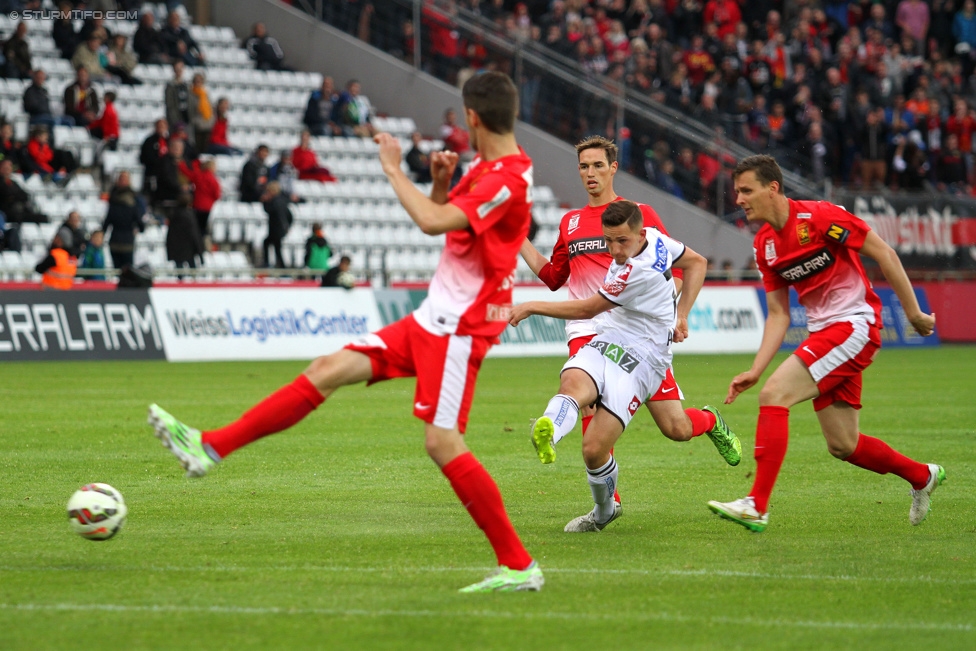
x=346, y=279
x=96, y=511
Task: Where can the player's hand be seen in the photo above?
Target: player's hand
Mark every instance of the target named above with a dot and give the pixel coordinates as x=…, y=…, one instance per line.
x=390, y=152
x=740, y=383
x=924, y=324
x=442, y=166
x=519, y=313
x=680, y=330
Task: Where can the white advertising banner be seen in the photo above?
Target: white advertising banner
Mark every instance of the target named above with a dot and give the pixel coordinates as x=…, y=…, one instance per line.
x=261, y=323
x=537, y=336
x=724, y=320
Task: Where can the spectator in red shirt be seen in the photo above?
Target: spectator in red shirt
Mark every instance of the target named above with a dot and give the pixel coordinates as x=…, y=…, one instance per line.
x=962, y=124
x=307, y=163
x=219, y=145
x=52, y=165
x=698, y=61
x=206, y=190
x=455, y=137
x=725, y=13
x=106, y=127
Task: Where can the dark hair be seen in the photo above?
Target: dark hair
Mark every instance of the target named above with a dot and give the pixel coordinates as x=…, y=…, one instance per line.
x=316, y=226
x=598, y=142
x=493, y=96
x=345, y=258
x=110, y=96
x=764, y=167
x=623, y=212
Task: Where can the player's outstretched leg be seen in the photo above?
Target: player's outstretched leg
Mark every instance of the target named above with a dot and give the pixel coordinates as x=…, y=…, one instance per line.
x=504, y=579
x=559, y=419
x=183, y=441
x=921, y=498
x=725, y=440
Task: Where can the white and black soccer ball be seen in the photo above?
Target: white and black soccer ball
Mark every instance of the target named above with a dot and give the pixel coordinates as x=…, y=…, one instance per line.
x=346, y=279
x=96, y=511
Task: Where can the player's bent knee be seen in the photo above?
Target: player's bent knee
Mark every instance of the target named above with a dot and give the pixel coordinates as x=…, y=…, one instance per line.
x=338, y=369
x=840, y=450
x=595, y=452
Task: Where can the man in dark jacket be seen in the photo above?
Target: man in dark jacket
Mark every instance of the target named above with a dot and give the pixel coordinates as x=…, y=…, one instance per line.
x=125, y=219
x=81, y=99
x=179, y=43
x=73, y=238
x=148, y=43
x=254, y=176
x=263, y=49
x=37, y=103
x=154, y=148
x=17, y=53
x=170, y=183
x=183, y=242
x=321, y=109
x=279, y=221
x=14, y=200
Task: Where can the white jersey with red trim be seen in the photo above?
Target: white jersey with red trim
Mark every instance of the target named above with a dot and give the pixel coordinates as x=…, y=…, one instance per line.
x=471, y=292
x=816, y=252
x=644, y=291
x=580, y=258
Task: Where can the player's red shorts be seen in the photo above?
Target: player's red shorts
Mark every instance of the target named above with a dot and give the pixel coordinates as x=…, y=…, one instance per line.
x=446, y=367
x=669, y=389
x=836, y=356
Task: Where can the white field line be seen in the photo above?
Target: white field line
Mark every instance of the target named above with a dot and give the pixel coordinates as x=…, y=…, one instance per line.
x=706, y=573
x=489, y=614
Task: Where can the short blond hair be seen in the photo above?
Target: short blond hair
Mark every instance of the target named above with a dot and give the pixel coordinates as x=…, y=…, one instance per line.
x=598, y=142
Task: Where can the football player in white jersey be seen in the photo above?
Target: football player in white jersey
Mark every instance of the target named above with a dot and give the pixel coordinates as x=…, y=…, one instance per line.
x=631, y=354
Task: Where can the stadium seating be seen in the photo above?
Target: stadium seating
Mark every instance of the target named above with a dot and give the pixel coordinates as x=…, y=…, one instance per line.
x=360, y=213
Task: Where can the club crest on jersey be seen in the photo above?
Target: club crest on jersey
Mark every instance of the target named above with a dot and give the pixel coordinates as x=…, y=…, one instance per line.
x=803, y=234
x=634, y=405
x=770, y=251
x=573, y=223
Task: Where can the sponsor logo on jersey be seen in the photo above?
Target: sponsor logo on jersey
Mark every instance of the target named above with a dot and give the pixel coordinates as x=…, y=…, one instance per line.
x=573, y=224
x=587, y=246
x=804, y=215
x=625, y=274
x=618, y=283
x=617, y=355
x=498, y=312
x=803, y=234
x=838, y=233
x=807, y=267
x=634, y=405
x=770, y=251
x=661, y=257
x=503, y=195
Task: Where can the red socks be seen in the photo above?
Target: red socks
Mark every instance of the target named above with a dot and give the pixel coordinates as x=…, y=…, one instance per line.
x=586, y=422
x=772, y=432
x=480, y=496
x=701, y=421
x=877, y=456
x=279, y=411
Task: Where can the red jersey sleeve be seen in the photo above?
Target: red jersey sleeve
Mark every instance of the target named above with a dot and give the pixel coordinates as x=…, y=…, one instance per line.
x=841, y=227
x=652, y=220
x=556, y=272
x=488, y=198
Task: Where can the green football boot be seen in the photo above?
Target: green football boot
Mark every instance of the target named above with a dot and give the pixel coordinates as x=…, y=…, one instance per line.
x=724, y=438
x=506, y=580
x=184, y=442
x=542, y=432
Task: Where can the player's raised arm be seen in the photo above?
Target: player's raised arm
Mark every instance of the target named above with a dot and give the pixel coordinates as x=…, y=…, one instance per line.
x=585, y=308
x=694, y=267
x=432, y=217
x=878, y=250
x=777, y=323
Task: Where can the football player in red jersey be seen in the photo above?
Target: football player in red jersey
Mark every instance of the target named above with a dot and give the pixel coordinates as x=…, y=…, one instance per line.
x=581, y=258
x=813, y=246
x=443, y=342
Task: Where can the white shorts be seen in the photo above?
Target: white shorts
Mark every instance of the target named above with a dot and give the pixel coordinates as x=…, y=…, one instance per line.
x=622, y=380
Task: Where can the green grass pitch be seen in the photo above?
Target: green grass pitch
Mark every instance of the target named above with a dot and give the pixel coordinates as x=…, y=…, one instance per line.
x=342, y=534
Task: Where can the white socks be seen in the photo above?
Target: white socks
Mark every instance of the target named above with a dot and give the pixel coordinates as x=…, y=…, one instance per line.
x=564, y=412
x=603, y=483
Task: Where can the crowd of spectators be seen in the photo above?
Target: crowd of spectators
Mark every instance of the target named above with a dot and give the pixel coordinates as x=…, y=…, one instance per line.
x=869, y=93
